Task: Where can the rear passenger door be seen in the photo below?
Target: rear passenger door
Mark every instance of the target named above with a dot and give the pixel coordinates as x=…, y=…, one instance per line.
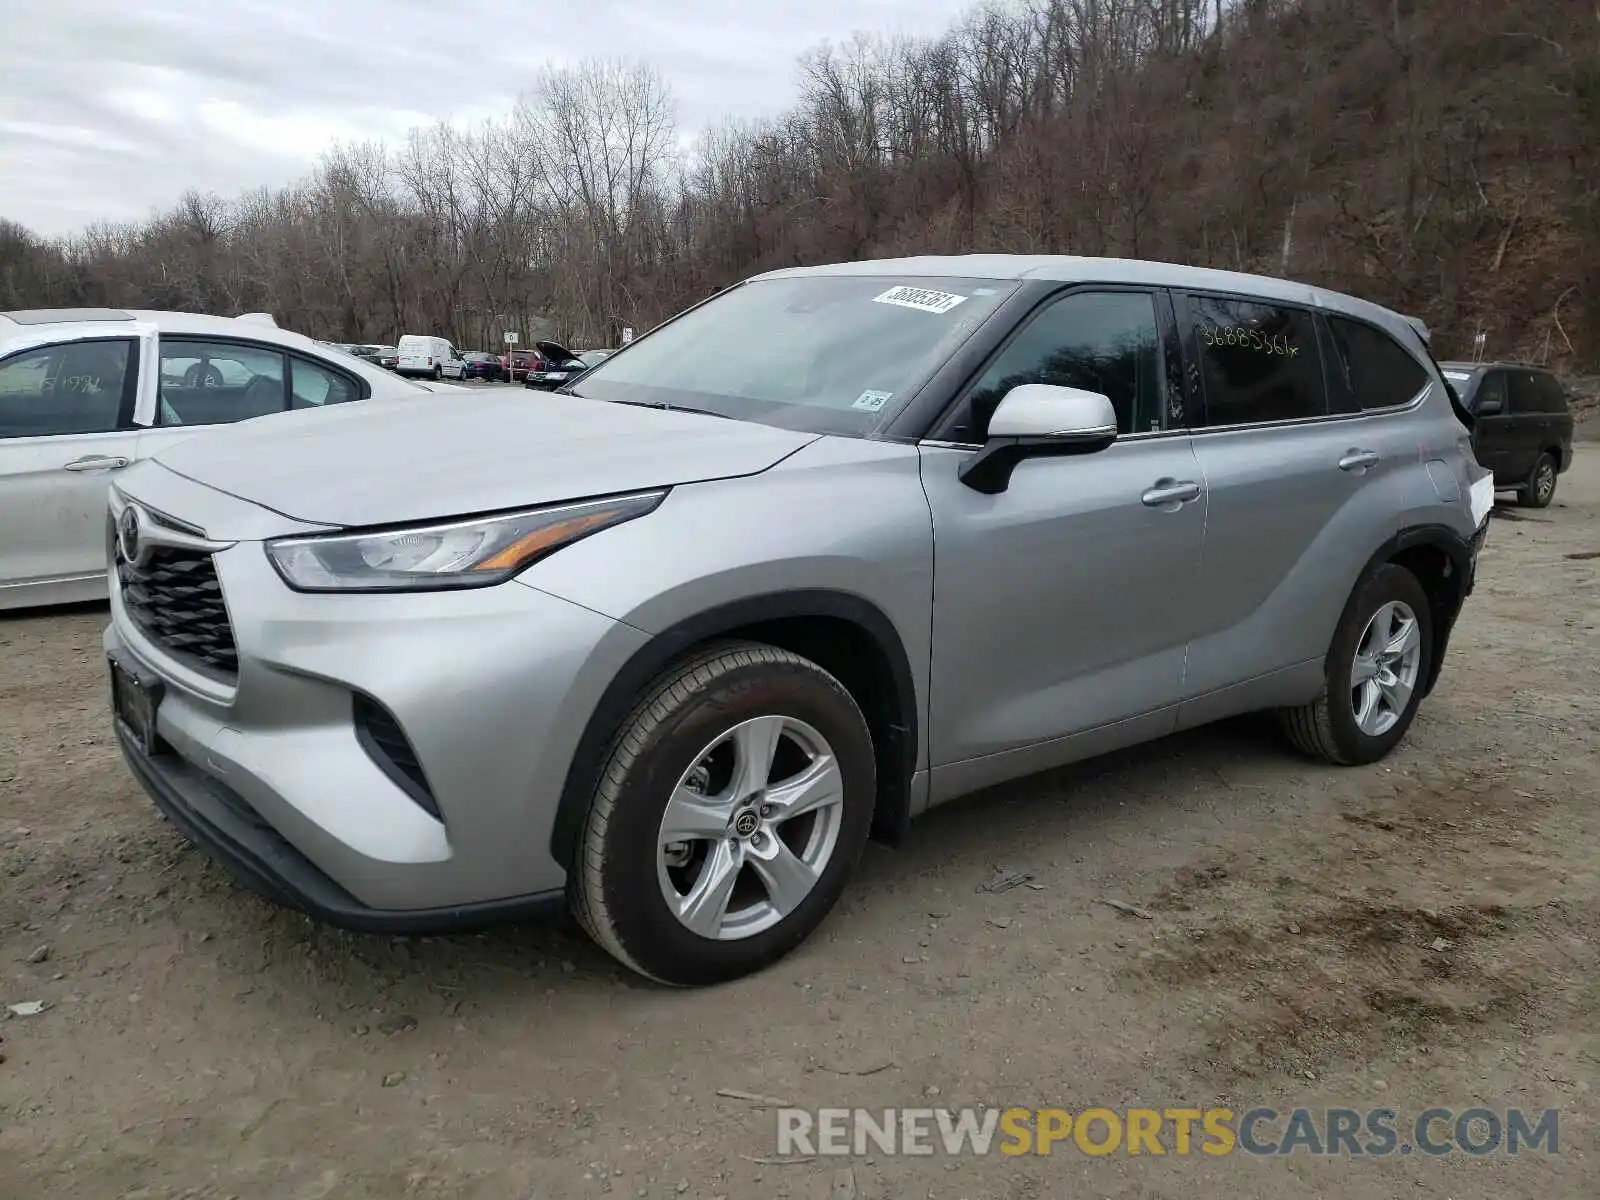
x=1526, y=426
x=215, y=381
x=1304, y=483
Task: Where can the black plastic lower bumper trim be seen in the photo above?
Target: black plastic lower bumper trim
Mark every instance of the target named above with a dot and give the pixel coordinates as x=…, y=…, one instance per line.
x=219, y=821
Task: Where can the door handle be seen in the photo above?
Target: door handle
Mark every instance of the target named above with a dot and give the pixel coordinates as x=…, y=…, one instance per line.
x=1358, y=460
x=96, y=462
x=1170, y=491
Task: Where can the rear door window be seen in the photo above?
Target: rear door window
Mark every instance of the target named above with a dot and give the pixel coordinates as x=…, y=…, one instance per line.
x=74, y=387
x=1258, y=361
x=1552, y=395
x=1371, y=369
x=315, y=385
x=215, y=383
x=1526, y=394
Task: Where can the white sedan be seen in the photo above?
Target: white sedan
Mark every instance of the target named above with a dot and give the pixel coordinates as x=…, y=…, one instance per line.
x=86, y=392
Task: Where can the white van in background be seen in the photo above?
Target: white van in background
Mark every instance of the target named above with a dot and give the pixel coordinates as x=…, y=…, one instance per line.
x=422, y=355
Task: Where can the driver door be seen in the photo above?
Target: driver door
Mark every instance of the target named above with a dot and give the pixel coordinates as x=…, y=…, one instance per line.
x=1058, y=622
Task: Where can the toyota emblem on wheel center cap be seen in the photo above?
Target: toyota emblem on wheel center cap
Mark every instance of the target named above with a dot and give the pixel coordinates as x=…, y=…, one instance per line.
x=746, y=823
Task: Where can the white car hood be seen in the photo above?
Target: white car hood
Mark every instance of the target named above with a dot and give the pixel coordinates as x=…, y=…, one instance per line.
x=376, y=464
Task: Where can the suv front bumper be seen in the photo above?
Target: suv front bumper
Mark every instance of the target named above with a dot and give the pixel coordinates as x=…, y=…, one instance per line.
x=220, y=822
x=275, y=769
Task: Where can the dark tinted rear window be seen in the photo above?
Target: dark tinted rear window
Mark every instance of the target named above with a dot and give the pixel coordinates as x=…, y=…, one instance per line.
x=1552, y=394
x=1258, y=360
x=1370, y=368
x=1527, y=390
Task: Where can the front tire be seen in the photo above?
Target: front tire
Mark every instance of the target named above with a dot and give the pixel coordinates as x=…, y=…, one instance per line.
x=1540, y=488
x=1376, y=670
x=730, y=812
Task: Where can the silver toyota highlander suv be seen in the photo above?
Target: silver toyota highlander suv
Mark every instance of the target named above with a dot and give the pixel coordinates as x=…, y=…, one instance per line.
x=833, y=547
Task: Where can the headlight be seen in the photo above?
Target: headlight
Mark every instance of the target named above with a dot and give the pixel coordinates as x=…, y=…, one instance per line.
x=458, y=554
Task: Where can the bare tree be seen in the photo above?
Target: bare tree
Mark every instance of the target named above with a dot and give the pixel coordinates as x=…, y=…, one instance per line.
x=1437, y=157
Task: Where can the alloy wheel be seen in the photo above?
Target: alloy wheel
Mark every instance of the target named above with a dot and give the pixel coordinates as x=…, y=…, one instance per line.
x=1383, y=676
x=1544, y=481
x=750, y=828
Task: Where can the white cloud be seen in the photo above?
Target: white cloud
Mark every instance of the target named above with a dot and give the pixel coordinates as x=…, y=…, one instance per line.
x=107, y=112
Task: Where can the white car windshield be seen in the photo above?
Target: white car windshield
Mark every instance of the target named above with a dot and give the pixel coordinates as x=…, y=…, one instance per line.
x=820, y=353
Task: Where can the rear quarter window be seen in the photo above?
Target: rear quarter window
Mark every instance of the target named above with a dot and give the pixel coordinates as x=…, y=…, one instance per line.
x=1370, y=368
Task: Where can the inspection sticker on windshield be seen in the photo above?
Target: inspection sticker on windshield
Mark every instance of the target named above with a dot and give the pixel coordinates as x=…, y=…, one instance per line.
x=920, y=298
x=871, y=401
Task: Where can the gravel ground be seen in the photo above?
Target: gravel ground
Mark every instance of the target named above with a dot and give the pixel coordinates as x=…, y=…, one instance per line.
x=1414, y=933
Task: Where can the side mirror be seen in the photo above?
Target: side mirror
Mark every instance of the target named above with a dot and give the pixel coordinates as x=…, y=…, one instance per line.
x=1489, y=407
x=1036, y=420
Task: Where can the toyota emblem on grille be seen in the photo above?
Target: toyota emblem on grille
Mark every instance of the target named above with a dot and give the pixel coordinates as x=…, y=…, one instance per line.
x=128, y=539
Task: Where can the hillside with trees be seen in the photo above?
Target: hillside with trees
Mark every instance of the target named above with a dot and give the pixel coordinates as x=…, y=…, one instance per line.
x=1440, y=157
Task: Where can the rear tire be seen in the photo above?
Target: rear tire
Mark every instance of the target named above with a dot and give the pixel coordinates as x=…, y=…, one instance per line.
x=1376, y=669
x=1540, y=488
x=717, y=750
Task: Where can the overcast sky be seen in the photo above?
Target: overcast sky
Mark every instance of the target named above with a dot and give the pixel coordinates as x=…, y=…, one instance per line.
x=108, y=110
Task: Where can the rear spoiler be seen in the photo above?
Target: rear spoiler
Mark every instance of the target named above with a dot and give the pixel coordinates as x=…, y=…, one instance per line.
x=1421, y=330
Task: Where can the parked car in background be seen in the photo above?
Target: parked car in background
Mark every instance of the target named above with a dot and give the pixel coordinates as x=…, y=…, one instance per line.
x=421, y=354
x=86, y=392
x=479, y=365
x=383, y=356
x=1523, y=430
x=593, y=358
x=561, y=366
x=517, y=364
x=670, y=647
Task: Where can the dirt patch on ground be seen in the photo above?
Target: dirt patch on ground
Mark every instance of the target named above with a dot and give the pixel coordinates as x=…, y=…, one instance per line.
x=1419, y=932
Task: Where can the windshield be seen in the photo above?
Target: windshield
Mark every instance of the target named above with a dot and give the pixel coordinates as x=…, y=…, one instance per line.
x=818, y=353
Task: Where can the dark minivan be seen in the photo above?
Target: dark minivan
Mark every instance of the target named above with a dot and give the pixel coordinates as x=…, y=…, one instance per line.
x=1523, y=430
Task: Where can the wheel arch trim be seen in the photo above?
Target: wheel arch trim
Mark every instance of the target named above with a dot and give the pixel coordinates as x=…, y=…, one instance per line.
x=892, y=810
x=1458, y=553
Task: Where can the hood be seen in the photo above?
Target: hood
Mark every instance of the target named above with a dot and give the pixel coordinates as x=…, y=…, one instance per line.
x=554, y=350
x=376, y=464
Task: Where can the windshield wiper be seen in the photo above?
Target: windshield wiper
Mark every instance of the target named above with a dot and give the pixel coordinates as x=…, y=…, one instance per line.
x=663, y=406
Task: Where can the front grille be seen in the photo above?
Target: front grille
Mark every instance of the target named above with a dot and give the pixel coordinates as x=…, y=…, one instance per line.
x=176, y=601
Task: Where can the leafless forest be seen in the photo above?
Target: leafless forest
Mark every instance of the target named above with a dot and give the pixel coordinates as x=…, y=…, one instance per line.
x=1440, y=156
